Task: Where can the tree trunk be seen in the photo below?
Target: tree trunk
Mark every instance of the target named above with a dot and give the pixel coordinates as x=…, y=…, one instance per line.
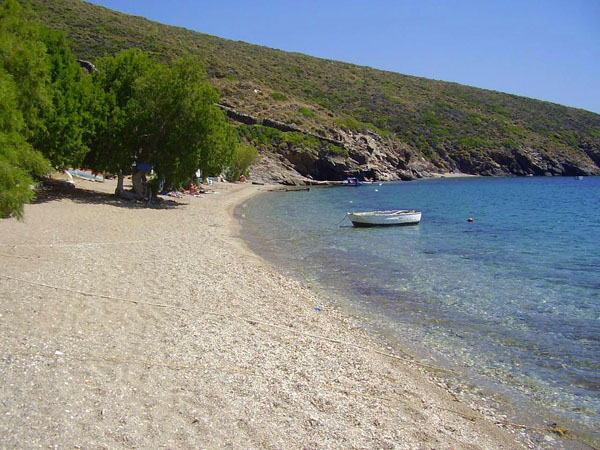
x=140, y=186
x=119, y=188
x=141, y=189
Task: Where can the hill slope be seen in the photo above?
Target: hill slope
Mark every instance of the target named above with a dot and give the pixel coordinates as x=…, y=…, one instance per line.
x=378, y=124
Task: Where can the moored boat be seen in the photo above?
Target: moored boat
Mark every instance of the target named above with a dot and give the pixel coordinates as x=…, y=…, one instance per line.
x=380, y=218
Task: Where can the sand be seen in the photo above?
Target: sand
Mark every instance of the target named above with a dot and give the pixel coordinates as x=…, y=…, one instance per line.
x=126, y=326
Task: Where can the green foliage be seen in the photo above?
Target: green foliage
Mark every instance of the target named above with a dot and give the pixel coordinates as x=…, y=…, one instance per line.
x=502, y=110
x=110, y=146
x=422, y=144
x=431, y=119
x=510, y=143
x=473, y=142
x=475, y=119
x=23, y=56
x=278, y=96
x=567, y=137
x=295, y=139
x=349, y=123
x=271, y=138
x=44, y=104
x=243, y=157
x=515, y=130
x=376, y=129
x=163, y=115
x=18, y=160
x=336, y=150
x=306, y=112
x=67, y=121
x=22, y=96
x=260, y=136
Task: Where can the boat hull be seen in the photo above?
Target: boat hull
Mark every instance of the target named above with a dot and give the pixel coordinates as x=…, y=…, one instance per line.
x=385, y=218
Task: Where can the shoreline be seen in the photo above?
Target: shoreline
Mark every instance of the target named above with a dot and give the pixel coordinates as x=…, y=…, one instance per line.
x=132, y=326
x=491, y=397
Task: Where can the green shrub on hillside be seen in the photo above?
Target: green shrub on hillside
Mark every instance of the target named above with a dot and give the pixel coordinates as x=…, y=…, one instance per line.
x=259, y=135
x=337, y=150
x=473, y=142
x=278, y=96
x=272, y=138
x=349, y=123
x=306, y=112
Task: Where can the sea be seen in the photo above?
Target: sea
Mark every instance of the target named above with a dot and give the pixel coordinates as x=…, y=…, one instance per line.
x=509, y=301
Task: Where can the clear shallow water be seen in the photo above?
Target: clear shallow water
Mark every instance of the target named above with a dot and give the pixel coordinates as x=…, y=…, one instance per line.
x=511, y=300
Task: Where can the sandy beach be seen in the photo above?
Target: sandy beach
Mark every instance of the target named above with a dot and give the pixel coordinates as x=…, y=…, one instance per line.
x=127, y=326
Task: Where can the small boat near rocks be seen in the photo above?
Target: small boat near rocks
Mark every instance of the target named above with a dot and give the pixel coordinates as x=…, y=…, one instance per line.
x=351, y=182
x=384, y=218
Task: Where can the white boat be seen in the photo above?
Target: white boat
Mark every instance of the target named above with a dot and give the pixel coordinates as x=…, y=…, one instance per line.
x=377, y=218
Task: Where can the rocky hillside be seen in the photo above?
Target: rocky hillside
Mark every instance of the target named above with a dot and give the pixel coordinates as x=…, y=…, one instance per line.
x=316, y=119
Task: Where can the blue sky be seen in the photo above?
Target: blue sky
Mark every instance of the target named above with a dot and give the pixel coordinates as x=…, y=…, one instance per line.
x=548, y=50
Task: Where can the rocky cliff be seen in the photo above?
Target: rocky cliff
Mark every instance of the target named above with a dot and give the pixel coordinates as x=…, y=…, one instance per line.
x=372, y=157
x=368, y=155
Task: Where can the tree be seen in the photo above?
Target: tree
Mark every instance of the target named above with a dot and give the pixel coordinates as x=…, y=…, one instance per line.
x=23, y=77
x=18, y=160
x=113, y=145
x=23, y=56
x=180, y=127
x=243, y=157
x=45, y=104
x=161, y=115
x=68, y=121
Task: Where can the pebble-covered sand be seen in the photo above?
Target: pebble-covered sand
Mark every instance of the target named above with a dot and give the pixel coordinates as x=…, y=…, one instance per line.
x=127, y=326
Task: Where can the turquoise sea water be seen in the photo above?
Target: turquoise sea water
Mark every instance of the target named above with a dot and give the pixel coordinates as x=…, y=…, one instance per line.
x=511, y=300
